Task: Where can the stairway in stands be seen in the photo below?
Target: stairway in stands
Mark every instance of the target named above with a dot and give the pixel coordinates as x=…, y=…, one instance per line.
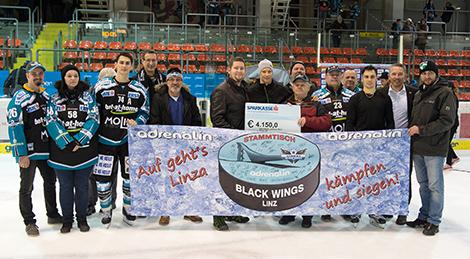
x=45, y=40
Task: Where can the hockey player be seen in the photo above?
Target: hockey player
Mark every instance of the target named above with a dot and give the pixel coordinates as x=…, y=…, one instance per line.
x=122, y=102
x=30, y=145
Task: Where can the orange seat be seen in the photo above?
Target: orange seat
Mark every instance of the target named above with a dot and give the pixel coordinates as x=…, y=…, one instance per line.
x=100, y=45
x=201, y=48
x=112, y=56
x=190, y=57
x=173, y=47
x=221, y=69
x=328, y=60
x=174, y=57
x=16, y=45
x=324, y=51
x=342, y=60
x=356, y=60
x=96, y=67
x=217, y=48
x=244, y=49
x=68, y=44
x=84, y=54
x=442, y=72
x=310, y=50
x=441, y=62
x=69, y=55
x=393, y=52
x=309, y=70
x=336, y=51
x=465, y=53
x=219, y=58
x=361, y=52
x=466, y=62
x=202, y=69
x=62, y=65
x=85, y=44
x=161, y=68
x=297, y=50
x=454, y=72
x=175, y=66
x=159, y=46
x=270, y=49
x=465, y=72
x=452, y=63
x=115, y=45
x=455, y=53
x=99, y=55
x=348, y=51
x=109, y=65
x=430, y=53
x=130, y=45
x=285, y=50
x=187, y=47
x=418, y=52
x=259, y=49
x=303, y=59
x=442, y=53
x=202, y=57
x=381, y=52
x=82, y=66
x=145, y=45
x=161, y=57
x=190, y=68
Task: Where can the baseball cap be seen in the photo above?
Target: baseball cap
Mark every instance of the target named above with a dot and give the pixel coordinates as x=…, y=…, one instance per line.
x=332, y=69
x=33, y=65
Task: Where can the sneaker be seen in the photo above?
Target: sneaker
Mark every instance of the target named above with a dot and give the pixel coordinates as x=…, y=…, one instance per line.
x=346, y=217
x=387, y=216
x=326, y=218
x=219, y=223
x=164, y=220
x=239, y=219
x=83, y=226
x=128, y=216
x=431, y=230
x=32, y=230
x=417, y=223
x=401, y=220
x=355, y=219
x=306, y=222
x=107, y=215
x=377, y=220
x=54, y=220
x=194, y=219
x=66, y=227
x=284, y=220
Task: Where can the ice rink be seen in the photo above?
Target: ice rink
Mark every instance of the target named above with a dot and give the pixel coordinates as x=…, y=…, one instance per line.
x=262, y=237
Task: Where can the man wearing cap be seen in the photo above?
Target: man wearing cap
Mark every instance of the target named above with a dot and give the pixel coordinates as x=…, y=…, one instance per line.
x=384, y=79
x=298, y=68
x=350, y=80
x=30, y=145
x=174, y=105
x=266, y=89
x=432, y=117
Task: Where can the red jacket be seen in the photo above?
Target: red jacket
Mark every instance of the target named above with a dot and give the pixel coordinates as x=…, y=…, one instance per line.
x=317, y=119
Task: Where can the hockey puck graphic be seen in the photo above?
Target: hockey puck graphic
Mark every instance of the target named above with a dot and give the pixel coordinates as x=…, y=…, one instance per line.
x=269, y=171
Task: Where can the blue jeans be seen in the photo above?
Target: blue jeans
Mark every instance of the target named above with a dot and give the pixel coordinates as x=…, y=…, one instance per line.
x=73, y=186
x=430, y=175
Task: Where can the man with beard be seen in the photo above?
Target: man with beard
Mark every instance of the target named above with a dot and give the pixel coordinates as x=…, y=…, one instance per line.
x=149, y=75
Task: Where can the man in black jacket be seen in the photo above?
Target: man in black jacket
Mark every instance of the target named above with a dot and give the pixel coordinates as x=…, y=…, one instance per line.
x=266, y=89
x=228, y=111
x=149, y=75
x=432, y=118
x=402, y=102
x=174, y=105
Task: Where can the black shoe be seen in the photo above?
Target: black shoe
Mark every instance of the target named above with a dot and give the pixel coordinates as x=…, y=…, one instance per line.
x=401, y=220
x=32, y=230
x=284, y=220
x=431, y=230
x=66, y=227
x=387, y=216
x=54, y=220
x=239, y=219
x=346, y=217
x=107, y=216
x=326, y=218
x=83, y=226
x=306, y=222
x=127, y=215
x=417, y=223
x=90, y=210
x=355, y=219
x=219, y=223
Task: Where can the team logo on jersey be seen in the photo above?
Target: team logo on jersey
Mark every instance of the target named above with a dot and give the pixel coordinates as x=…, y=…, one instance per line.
x=346, y=99
x=30, y=146
x=21, y=97
x=107, y=93
x=133, y=95
x=32, y=108
x=325, y=101
x=83, y=108
x=60, y=108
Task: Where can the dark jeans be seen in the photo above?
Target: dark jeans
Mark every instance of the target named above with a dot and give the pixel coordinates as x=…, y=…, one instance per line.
x=73, y=189
x=26, y=189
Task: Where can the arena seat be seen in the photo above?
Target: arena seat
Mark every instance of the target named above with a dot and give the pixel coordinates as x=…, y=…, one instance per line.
x=328, y=60
x=259, y=49
x=442, y=72
x=159, y=46
x=68, y=44
x=219, y=58
x=348, y=51
x=202, y=69
x=173, y=47
x=466, y=53
x=100, y=45
x=69, y=55
x=201, y=48
x=190, y=68
x=221, y=69
x=442, y=53
x=190, y=57
x=96, y=67
x=82, y=66
x=336, y=51
x=84, y=54
x=17, y=44
x=85, y=44
x=356, y=60
x=361, y=52
x=161, y=68
x=187, y=47
x=145, y=45
x=63, y=64
x=244, y=49
x=381, y=52
x=112, y=56
x=130, y=45
x=174, y=57
x=297, y=50
x=430, y=53
x=99, y=56
x=202, y=58
x=309, y=70
x=441, y=62
x=310, y=50
x=452, y=63
x=418, y=52
x=1, y=64
x=454, y=72
x=175, y=66
x=2, y=41
x=270, y=49
x=304, y=59
x=109, y=65
x=324, y=51
x=216, y=48
x=342, y=60
x=455, y=53
x=115, y=45
x=161, y=57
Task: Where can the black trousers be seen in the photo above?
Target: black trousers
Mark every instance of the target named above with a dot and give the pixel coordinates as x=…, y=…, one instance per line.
x=26, y=189
x=451, y=153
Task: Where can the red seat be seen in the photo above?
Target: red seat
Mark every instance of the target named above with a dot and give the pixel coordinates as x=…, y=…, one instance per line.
x=244, y=49
x=109, y=65
x=190, y=57
x=174, y=57
x=115, y=45
x=202, y=69
x=159, y=46
x=175, y=66
x=232, y=48
x=466, y=62
x=100, y=45
x=361, y=52
x=187, y=47
x=161, y=68
x=465, y=53
x=217, y=48
x=381, y=52
x=430, y=53
x=190, y=68
x=70, y=55
x=452, y=63
x=393, y=52
x=348, y=51
x=297, y=50
x=2, y=41
x=112, y=56
x=313, y=60
x=85, y=44
x=356, y=60
x=336, y=51
x=99, y=56
x=442, y=72
x=455, y=53
x=309, y=70
x=324, y=51
x=130, y=45
x=465, y=72
x=145, y=45
x=62, y=65
x=342, y=60
x=82, y=66
x=454, y=72
x=68, y=44
x=270, y=49
x=285, y=50
x=173, y=47
x=16, y=45
x=418, y=61
x=221, y=69
x=161, y=57
x=442, y=53
x=202, y=58
x=441, y=62
x=304, y=59
x=219, y=58
x=310, y=50
x=328, y=60
x=259, y=49
x=418, y=52
x=96, y=67
x=201, y=47
x=84, y=54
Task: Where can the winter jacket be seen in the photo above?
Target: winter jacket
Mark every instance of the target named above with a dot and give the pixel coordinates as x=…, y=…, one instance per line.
x=434, y=113
x=227, y=105
x=317, y=118
x=272, y=93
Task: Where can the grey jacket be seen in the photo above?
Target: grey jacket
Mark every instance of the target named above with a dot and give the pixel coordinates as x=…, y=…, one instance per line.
x=434, y=113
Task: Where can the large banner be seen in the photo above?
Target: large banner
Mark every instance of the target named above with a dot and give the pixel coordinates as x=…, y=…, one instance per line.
x=179, y=170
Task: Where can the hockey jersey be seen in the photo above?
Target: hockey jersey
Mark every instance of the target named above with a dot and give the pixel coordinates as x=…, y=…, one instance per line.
x=118, y=103
x=336, y=103
x=72, y=120
x=27, y=124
